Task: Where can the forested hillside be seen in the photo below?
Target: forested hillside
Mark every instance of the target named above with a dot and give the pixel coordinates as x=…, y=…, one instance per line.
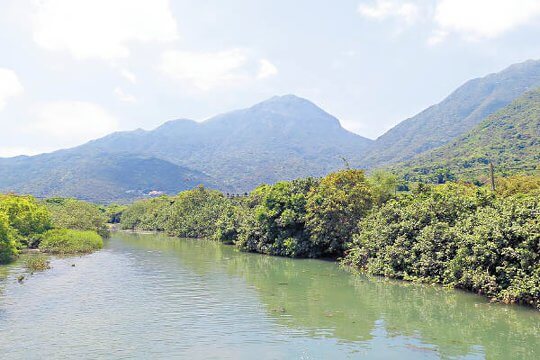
x=509, y=138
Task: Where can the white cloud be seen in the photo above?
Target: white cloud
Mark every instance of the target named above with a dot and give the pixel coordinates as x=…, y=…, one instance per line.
x=476, y=19
x=437, y=37
x=266, y=69
x=209, y=70
x=71, y=123
x=9, y=86
x=384, y=9
x=101, y=29
x=122, y=96
x=128, y=75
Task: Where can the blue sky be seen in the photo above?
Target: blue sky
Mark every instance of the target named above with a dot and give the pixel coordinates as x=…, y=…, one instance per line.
x=73, y=70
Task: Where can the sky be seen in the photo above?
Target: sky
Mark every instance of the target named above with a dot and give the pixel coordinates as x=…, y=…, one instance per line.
x=75, y=70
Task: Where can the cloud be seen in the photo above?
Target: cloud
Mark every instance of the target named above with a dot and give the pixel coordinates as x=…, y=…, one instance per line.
x=71, y=123
x=477, y=19
x=266, y=69
x=101, y=29
x=209, y=70
x=384, y=9
x=122, y=96
x=128, y=75
x=9, y=86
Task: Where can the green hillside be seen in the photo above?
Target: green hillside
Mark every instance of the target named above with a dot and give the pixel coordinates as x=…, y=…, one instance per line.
x=509, y=138
x=462, y=110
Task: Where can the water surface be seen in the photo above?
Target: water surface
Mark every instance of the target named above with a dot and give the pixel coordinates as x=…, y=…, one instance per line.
x=150, y=297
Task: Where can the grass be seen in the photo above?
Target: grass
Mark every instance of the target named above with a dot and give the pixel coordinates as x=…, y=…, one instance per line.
x=37, y=262
x=66, y=241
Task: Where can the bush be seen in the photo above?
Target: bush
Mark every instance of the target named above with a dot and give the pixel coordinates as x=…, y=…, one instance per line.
x=67, y=241
x=276, y=224
x=8, y=248
x=25, y=216
x=77, y=215
x=334, y=209
x=36, y=262
x=194, y=213
x=148, y=215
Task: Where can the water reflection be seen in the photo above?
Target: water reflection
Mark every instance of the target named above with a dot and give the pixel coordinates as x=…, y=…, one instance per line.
x=325, y=300
x=152, y=296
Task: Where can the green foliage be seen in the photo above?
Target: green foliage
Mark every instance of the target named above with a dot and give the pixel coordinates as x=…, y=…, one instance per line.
x=36, y=262
x=77, y=215
x=509, y=139
x=519, y=184
x=114, y=212
x=384, y=185
x=334, y=209
x=147, y=215
x=26, y=217
x=8, y=248
x=194, y=213
x=276, y=225
x=67, y=241
x=230, y=221
x=458, y=236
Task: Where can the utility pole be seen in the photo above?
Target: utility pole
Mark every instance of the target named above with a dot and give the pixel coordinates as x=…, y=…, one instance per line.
x=492, y=176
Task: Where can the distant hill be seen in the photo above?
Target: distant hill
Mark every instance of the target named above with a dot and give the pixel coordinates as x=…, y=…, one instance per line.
x=98, y=177
x=282, y=138
x=458, y=113
x=509, y=138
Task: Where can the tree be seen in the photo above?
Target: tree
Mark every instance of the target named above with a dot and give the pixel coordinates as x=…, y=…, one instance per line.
x=334, y=209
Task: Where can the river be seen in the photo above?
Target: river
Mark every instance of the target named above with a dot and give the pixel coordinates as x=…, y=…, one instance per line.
x=154, y=297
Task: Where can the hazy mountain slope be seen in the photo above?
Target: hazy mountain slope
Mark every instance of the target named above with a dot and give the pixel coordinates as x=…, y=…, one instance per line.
x=510, y=138
x=282, y=138
x=99, y=177
x=455, y=115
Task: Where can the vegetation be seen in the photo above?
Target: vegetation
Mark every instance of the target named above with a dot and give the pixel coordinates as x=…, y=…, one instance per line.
x=456, y=234
x=77, y=215
x=36, y=262
x=509, y=138
x=27, y=223
x=67, y=241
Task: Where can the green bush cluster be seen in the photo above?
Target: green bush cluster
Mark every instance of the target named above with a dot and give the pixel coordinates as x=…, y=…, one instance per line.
x=68, y=241
x=192, y=213
x=77, y=215
x=25, y=222
x=456, y=235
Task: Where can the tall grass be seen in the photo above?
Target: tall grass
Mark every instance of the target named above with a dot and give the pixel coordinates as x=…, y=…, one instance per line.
x=66, y=241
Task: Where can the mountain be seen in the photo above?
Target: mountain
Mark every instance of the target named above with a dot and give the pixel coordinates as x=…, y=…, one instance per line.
x=509, y=138
x=458, y=113
x=282, y=138
x=99, y=177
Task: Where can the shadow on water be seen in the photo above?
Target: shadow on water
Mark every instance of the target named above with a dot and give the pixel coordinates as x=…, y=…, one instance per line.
x=320, y=298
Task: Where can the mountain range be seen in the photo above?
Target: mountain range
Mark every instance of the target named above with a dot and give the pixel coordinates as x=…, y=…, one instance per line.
x=282, y=138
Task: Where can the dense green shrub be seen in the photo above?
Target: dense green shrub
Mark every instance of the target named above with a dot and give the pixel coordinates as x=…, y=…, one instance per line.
x=68, y=241
x=499, y=251
x=458, y=236
x=194, y=213
x=36, y=262
x=77, y=215
x=276, y=225
x=25, y=216
x=334, y=208
x=8, y=248
x=147, y=215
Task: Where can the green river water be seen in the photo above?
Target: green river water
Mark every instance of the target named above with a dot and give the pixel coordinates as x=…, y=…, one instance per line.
x=153, y=297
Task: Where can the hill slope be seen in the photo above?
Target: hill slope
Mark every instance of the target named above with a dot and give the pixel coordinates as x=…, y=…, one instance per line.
x=282, y=138
x=455, y=115
x=509, y=138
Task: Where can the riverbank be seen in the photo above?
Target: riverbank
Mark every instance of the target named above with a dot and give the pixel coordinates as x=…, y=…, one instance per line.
x=457, y=235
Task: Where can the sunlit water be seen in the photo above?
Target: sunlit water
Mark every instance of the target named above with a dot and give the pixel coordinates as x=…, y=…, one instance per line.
x=153, y=297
